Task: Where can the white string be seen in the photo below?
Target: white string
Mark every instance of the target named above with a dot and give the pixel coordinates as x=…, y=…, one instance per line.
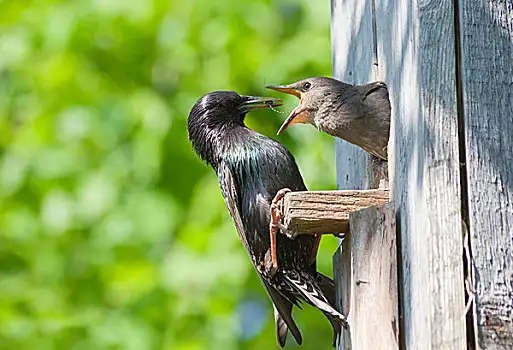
x=274, y=109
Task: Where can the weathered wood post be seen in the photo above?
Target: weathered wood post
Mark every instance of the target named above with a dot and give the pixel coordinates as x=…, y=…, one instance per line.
x=449, y=69
x=485, y=69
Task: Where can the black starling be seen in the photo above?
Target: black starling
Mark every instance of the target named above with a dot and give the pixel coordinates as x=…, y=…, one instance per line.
x=359, y=114
x=252, y=169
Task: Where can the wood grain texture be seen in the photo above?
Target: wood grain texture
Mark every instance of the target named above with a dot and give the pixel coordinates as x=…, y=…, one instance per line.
x=486, y=36
x=326, y=212
x=416, y=54
x=353, y=62
x=368, y=254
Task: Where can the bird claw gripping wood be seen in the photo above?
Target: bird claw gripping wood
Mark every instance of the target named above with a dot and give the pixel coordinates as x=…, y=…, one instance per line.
x=277, y=214
x=276, y=225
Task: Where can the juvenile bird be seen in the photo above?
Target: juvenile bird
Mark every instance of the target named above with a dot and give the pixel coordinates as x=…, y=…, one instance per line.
x=359, y=114
x=251, y=169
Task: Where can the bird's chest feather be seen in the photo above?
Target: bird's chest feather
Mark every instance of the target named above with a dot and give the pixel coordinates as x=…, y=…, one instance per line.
x=258, y=177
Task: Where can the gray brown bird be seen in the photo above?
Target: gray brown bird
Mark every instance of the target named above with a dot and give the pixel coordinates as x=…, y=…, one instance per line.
x=359, y=114
x=252, y=169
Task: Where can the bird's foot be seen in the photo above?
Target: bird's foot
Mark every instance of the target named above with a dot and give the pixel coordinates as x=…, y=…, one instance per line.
x=279, y=196
x=276, y=214
x=289, y=233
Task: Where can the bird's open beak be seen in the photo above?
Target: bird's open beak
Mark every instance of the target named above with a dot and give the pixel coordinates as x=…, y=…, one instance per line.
x=285, y=89
x=257, y=102
x=298, y=115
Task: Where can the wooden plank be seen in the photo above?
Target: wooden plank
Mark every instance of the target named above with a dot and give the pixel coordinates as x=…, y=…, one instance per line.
x=416, y=54
x=325, y=212
x=486, y=36
x=353, y=62
x=369, y=255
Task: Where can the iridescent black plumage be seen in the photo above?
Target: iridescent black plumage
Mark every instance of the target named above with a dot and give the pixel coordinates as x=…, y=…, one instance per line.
x=251, y=169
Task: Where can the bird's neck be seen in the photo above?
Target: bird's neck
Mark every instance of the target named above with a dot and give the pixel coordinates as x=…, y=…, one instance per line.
x=217, y=138
x=238, y=142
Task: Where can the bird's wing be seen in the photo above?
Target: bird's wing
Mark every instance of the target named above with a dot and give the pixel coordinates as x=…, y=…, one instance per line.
x=368, y=89
x=231, y=198
x=375, y=97
x=282, y=306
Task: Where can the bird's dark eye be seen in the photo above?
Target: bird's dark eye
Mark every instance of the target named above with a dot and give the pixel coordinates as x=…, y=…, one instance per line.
x=306, y=86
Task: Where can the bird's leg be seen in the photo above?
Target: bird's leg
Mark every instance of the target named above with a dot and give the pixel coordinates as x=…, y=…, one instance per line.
x=275, y=226
x=274, y=258
x=316, y=248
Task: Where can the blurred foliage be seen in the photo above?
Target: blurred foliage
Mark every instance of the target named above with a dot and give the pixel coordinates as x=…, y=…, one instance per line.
x=113, y=234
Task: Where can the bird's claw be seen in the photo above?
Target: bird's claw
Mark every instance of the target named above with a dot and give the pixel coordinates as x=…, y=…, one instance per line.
x=290, y=234
x=279, y=196
x=276, y=214
x=276, y=205
x=278, y=226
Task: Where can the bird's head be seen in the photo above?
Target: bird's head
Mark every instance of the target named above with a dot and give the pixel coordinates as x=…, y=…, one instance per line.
x=311, y=93
x=213, y=113
x=225, y=107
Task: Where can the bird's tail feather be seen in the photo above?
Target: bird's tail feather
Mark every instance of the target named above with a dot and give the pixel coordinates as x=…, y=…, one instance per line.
x=282, y=315
x=337, y=329
x=327, y=286
x=320, y=294
x=281, y=328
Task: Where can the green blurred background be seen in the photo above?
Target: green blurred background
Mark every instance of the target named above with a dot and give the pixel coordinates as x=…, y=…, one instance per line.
x=113, y=234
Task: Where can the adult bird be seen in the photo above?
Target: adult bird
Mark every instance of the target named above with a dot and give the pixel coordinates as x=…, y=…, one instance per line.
x=359, y=114
x=252, y=169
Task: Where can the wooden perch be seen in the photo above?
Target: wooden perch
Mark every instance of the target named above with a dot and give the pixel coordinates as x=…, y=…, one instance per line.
x=326, y=212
